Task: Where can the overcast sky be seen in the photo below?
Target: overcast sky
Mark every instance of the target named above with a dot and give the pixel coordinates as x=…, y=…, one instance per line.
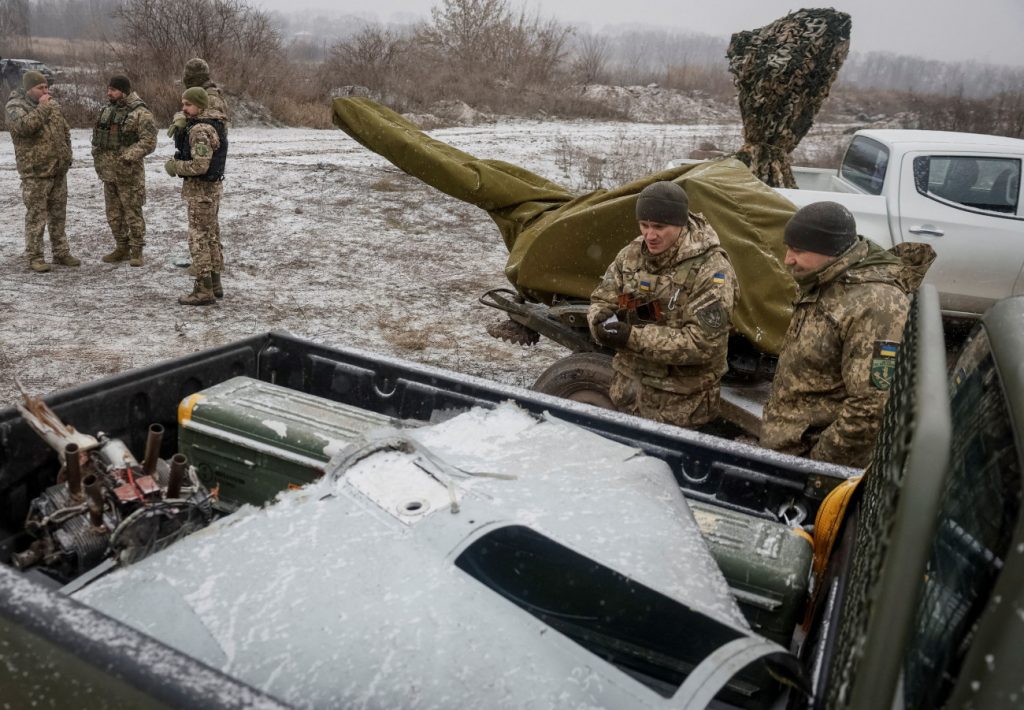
x=952, y=30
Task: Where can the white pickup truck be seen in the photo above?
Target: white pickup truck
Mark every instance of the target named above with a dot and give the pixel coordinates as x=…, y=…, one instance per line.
x=958, y=192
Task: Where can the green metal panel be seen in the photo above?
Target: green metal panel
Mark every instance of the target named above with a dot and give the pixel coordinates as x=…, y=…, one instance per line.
x=255, y=439
x=767, y=565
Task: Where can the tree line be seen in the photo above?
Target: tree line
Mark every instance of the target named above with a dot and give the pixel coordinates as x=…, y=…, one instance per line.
x=489, y=53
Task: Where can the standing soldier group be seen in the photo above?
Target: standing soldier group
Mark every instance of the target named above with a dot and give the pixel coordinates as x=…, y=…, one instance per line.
x=124, y=134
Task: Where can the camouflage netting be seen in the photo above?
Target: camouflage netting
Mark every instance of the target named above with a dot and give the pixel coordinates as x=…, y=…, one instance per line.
x=783, y=72
x=560, y=243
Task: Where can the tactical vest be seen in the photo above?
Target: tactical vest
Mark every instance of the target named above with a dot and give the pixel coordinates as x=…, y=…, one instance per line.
x=183, y=150
x=109, y=133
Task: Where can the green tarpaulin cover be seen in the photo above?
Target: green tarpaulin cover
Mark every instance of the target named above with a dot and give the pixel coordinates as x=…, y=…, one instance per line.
x=560, y=243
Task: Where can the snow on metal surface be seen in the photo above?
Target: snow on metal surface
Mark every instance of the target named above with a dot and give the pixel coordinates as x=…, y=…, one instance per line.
x=325, y=597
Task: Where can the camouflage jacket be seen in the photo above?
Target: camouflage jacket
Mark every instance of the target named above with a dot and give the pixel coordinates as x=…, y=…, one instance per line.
x=683, y=348
x=124, y=134
x=836, y=363
x=203, y=142
x=217, y=102
x=42, y=140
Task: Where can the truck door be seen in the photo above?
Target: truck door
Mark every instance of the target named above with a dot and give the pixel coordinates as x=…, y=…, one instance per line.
x=968, y=208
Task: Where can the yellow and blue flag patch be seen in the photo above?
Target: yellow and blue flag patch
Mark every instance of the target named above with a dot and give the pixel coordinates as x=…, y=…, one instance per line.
x=883, y=363
x=718, y=278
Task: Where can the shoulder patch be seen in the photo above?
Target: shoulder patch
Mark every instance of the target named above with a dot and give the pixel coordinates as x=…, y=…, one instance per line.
x=201, y=150
x=713, y=316
x=718, y=278
x=883, y=363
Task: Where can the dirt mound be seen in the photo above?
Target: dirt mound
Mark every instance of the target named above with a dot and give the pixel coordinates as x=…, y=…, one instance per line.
x=655, y=104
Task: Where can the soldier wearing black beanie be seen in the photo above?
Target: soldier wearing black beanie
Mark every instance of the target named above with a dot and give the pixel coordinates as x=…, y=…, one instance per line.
x=821, y=227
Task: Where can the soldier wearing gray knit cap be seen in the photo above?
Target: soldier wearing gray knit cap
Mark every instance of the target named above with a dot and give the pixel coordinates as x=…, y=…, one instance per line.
x=197, y=74
x=664, y=308
x=837, y=359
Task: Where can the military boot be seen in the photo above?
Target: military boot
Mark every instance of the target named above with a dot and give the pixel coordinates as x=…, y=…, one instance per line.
x=39, y=266
x=67, y=260
x=136, y=256
x=120, y=253
x=202, y=293
x=218, y=290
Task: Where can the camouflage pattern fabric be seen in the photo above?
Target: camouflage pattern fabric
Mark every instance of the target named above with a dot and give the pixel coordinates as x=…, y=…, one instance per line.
x=202, y=198
x=686, y=410
x=217, y=103
x=203, y=203
x=41, y=137
x=46, y=201
x=123, y=173
x=560, y=244
x=673, y=363
x=783, y=72
x=123, y=202
x=42, y=152
x=834, y=371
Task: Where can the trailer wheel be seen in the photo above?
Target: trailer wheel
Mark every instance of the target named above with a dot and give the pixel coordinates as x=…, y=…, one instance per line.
x=581, y=377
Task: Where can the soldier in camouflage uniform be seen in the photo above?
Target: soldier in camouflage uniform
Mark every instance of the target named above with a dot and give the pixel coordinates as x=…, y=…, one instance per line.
x=42, y=151
x=197, y=73
x=124, y=134
x=837, y=359
x=664, y=305
x=200, y=154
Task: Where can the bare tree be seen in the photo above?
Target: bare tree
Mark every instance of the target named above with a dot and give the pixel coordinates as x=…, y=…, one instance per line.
x=591, y=57
x=159, y=36
x=14, y=20
x=368, y=58
x=485, y=38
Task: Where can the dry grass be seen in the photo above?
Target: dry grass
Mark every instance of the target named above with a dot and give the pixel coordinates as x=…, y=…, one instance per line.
x=402, y=336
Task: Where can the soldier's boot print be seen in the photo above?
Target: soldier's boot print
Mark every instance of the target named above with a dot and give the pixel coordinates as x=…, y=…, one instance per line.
x=67, y=260
x=39, y=266
x=218, y=289
x=202, y=293
x=135, y=254
x=120, y=253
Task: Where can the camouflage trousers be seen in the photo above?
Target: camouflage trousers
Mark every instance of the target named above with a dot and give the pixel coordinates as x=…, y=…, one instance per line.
x=124, y=201
x=204, y=231
x=685, y=410
x=46, y=202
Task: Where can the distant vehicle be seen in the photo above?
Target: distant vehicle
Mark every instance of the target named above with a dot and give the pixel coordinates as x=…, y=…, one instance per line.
x=11, y=71
x=960, y=193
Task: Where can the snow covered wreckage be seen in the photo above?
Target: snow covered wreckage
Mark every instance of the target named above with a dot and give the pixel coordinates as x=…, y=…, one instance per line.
x=449, y=542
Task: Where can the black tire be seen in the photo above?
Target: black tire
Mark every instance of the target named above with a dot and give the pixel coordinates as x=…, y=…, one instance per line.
x=581, y=377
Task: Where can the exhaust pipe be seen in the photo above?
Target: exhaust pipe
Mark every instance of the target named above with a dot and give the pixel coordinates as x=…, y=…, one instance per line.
x=73, y=467
x=94, y=491
x=153, y=441
x=178, y=463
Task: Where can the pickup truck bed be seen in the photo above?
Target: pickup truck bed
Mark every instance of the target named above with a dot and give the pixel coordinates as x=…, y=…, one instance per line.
x=923, y=582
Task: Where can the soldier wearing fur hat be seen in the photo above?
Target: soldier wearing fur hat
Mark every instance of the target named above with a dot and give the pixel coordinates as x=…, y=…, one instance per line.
x=664, y=305
x=837, y=358
x=42, y=152
x=123, y=136
x=201, y=149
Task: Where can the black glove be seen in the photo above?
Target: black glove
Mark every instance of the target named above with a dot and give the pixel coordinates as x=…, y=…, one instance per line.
x=614, y=335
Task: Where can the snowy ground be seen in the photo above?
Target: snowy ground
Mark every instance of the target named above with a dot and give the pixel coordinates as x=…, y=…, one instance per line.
x=322, y=239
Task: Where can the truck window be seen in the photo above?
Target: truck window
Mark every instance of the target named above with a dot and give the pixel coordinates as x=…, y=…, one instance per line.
x=978, y=515
x=990, y=184
x=864, y=164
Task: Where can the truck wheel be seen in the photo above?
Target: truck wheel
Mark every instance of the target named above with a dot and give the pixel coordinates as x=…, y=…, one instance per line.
x=581, y=377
